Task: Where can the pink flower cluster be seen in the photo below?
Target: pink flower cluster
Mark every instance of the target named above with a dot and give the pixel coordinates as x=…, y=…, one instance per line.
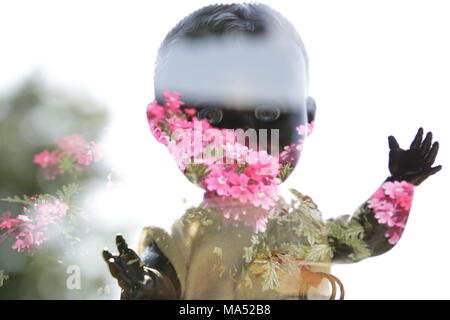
x=234, y=211
x=305, y=130
x=255, y=182
x=235, y=171
x=391, y=204
x=291, y=153
x=29, y=229
x=74, y=146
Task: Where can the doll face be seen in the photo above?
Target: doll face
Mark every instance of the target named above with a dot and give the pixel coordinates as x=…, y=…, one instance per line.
x=241, y=82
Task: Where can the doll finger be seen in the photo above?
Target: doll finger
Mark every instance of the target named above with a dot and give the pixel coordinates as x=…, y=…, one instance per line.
x=393, y=144
x=426, y=174
x=132, y=256
x=431, y=156
x=115, y=264
x=107, y=255
x=425, y=146
x=417, y=140
x=434, y=170
x=129, y=258
x=121, y=244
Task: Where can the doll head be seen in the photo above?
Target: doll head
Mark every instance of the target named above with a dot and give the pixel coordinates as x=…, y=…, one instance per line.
x=241, y=66
x=236, y=67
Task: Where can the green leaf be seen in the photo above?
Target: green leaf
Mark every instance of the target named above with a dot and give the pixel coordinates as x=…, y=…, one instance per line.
x=270, y=276
x=348, y=236
x=3, y=277
x=68, y=192
x=207, y=222
x=67, y=164
x=249, y=254
x=285, y=171
x=241, y=168
x=196, y=172
x=25, y=200
x=319, y=252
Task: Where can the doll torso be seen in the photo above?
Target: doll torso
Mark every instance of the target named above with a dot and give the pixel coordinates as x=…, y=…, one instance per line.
x=215, y=260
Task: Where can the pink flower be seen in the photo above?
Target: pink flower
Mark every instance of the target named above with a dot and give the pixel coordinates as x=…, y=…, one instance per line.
x=240, y=189
x=160, y=135
x=267, y=165
x=394, y=234
x=310, y=127
x=49, y=212
x=173, y=101
x=289, y=155
x=264, y=196
x=71, y=144
x=89, y=154
x=234, y=212
x=84, y=152
x=257, y=221
x=29, y=229
x=190, y=111
x=405, y=203
x=155, y=112
x=305, y=130
x=381, y=205
x=217, y=181
x=384, y=217
x=28, y=239
x=397, y=189
x=391, y=204
x=6, y=222
x=46, y=158
x=179, y=123
x=180, y=154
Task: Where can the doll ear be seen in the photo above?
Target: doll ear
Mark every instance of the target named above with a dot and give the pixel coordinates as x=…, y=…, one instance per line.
x=310, y=109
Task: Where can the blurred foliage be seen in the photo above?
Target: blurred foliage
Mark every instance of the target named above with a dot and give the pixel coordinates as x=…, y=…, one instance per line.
x=32, y=116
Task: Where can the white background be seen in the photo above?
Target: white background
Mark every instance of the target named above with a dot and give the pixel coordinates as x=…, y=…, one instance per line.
x=376, y=68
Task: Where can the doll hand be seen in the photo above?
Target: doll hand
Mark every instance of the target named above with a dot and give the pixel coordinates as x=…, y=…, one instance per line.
x=413, y=165
x=137, y=281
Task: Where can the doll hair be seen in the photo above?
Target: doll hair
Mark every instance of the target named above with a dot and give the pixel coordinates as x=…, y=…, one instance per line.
x=219, y=19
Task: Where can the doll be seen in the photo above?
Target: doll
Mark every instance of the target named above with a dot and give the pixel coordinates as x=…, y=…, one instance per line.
x=233, y=109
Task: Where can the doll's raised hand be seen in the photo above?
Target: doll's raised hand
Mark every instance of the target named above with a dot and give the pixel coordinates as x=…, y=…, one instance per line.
x=138, y=282
x=415, y=164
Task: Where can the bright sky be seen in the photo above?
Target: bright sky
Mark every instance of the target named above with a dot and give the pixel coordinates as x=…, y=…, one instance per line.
x=376, y=69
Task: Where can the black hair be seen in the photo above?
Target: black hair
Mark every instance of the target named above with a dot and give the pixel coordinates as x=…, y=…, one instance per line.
x=218, y=19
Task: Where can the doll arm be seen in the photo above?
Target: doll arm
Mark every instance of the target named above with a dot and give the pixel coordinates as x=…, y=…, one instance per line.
x=378, y=224
x=375, y=227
